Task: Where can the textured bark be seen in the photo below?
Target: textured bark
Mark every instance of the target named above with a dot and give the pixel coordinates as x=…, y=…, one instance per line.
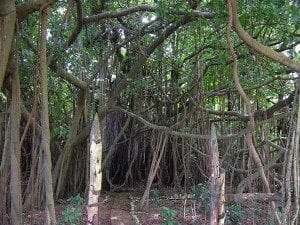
x=221, y=199
x=7, y=28
x=296, y=178
x=15, y=149
x=50, y=211
x=291, y=172
x=214, y=209
x=4, y=172
x=29, y=7
x=95, y=172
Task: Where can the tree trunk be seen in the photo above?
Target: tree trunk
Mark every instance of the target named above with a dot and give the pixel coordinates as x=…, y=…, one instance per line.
x=4, y=172
x=95, y=172
x=50, y=210
x=15, y=149
x=221, y=203
x=214, y=209
x=7, y=28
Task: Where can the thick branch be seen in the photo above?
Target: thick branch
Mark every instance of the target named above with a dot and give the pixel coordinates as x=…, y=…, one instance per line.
x=259, y=115
x=59, y=70
x=68, y=76
x=7, y=7
x=7, y=28
x=137, y=67
x=275, y=56
x=27, y=8
x=222, y=90
x=78, y=28
x=177, y=133
x=141, y=8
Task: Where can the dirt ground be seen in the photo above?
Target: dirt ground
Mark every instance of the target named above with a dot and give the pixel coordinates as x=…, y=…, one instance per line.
x=123, y=208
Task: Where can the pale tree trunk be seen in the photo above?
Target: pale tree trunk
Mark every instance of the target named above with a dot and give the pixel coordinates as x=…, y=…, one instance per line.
x=15, y=150
x=221, y=203
x=291, y=174
x=50, y=210
x=214, y=209
x=217, y=183
x=95, y=172
x=296, y=178
x=7, y=28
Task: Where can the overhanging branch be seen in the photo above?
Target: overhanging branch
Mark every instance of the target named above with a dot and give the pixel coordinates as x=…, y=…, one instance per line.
x=142, y=8
x=271, y=54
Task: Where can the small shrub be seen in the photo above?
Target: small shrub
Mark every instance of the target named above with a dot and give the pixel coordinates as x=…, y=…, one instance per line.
x=235, y=213
x=201, y=192
x=72, y=215
x=73, y=212
x=271, y=217
x=169, y=216
x=76, y=200
x=155, y=195
x=257, y=207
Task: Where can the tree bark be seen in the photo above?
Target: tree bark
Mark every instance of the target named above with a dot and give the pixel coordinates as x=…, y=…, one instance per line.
x=221, y=199
x=95, y=172
x=296, y=178
x=50, y=210
x=7, y=28
x=4, y=174
x=217, y=183
x=15, y=149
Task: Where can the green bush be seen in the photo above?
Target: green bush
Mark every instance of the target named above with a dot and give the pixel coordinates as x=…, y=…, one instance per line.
x=169, y=216
x=73, y=212
x=76, y=200
x=72, y=215
x=201, y=192
x=235, y=213
x=155, y=195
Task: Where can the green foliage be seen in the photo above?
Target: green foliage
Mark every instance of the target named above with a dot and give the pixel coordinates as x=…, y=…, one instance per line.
x=271, y=217
x=76, y=200
x=257, y=208
x=61, y=132
x=235, y=213
x=169, y=216
x=201, y=192
x=73, y=212
x=72, y=215
x=155, y=195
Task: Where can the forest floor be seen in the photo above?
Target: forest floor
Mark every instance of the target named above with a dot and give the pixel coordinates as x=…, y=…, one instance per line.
x=165, y=207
